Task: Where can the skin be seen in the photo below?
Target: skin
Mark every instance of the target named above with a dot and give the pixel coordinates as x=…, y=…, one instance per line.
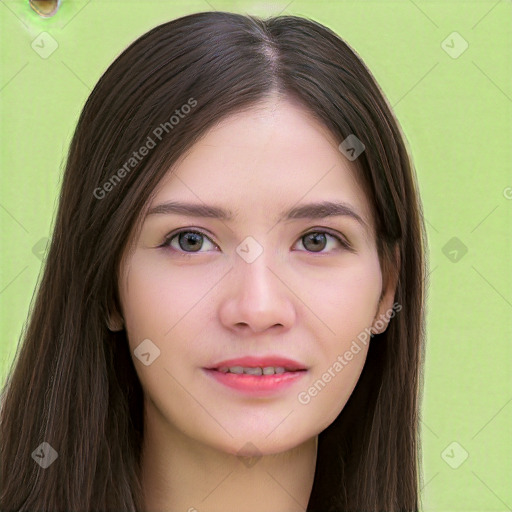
x=213, y=305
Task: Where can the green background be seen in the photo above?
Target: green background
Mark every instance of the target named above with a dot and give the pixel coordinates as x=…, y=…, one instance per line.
x=456, y=115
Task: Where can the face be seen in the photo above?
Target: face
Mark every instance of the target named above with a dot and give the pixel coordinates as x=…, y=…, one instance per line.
x=254, y=289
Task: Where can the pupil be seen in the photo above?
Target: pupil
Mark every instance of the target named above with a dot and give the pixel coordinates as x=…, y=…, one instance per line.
x=195, y=242
x=318, y=241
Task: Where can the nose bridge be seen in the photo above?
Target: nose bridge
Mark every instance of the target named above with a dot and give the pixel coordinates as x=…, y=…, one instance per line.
x=252, y=266
x=256, y=296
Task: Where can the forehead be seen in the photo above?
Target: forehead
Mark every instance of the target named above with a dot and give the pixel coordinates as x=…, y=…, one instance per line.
x=265, y=160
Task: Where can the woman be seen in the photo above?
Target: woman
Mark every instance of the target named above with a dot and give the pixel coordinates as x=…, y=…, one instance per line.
x=231, y=315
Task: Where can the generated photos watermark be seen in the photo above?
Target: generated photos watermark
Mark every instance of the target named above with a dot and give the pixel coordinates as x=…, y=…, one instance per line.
x=152, y=140
x=304, y=397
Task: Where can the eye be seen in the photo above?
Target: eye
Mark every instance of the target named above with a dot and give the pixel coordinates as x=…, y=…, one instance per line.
x=316, y=241
x=187, y=241
x=190, y=241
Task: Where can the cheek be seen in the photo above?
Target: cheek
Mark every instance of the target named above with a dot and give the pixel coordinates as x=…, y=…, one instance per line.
x=165, y=306
x=331, y=386
x=346, y=298
x=157, y=301
x=346, y=303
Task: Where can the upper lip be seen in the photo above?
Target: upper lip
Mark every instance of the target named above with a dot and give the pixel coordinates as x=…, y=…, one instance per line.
x=262, y=362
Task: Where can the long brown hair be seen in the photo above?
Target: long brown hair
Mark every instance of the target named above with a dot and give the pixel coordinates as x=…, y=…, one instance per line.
x=73, y=383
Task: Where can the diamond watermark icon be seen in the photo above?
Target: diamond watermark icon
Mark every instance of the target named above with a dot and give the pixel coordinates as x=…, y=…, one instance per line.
x=455, y=249
x=44, y=455
x=351, y=147
x=454, y=455
x=146, y=352
x=44, y=45
x=249, y=249
x=249, y=454
x=39, y=249
x=454, y=45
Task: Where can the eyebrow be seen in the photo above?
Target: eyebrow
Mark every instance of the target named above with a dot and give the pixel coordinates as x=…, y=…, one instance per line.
x=310, y=211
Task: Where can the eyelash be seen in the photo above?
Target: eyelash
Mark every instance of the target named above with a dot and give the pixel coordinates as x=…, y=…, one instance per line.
x=171, y=236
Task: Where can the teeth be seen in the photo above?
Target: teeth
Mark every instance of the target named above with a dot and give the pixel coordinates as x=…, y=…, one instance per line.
x=258, y=370
x=253, y=371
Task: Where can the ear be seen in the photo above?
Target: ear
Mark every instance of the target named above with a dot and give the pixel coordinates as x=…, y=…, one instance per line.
x=114, y=319
x=390, y=275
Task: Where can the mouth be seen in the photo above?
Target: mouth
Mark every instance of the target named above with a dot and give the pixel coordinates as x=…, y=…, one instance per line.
x=257, y=376
x=258, y=365
x=256, y=370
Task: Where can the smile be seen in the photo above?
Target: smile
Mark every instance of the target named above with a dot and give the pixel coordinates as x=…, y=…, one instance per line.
x=258, y=370
x=254, y=381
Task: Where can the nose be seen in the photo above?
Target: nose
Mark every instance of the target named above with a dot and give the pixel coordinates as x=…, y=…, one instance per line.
x=257, y=298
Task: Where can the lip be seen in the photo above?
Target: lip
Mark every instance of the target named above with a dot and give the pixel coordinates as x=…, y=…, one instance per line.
x=258, y=385
x=252, y=361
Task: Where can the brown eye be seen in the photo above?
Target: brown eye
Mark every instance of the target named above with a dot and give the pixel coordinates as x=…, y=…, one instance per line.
x=190, y=241
x=187, y=241
x=316, y=241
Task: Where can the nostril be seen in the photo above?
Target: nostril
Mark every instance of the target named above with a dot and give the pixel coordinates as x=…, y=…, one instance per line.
x=45, y=8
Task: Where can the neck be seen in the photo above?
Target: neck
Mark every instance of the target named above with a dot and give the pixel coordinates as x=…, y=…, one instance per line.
x=182, y=474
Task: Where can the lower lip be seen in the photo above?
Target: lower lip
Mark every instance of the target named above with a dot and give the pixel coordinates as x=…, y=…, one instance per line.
x=260, y=385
